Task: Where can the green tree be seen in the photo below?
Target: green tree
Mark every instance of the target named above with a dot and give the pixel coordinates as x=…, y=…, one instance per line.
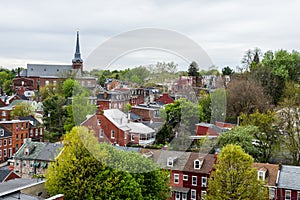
x=205, y=103
x=193, y=69
x=268, y=136
x=86, y=169
x=251, y=59
x=242, y=136
x=227, y=71
x=22, y=109
x=234, y=177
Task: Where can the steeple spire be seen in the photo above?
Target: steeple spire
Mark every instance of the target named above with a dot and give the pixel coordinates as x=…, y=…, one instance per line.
x=77, y=55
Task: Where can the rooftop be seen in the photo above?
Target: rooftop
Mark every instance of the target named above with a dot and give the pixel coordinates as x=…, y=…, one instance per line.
x=289, y=177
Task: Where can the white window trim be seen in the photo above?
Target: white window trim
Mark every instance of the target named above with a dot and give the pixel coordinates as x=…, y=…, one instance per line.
x=194, y=178
x=263, y=175
x=184, y=196
x=298, y=195
x=176, y=175
x=185, y=177
x=286, y=191
x=101, y=133
x=193, y=191
x=132, y=137
x=195, y=164
x=202, y=182
x=176, y=195
x=170, y=162
x=112, y=134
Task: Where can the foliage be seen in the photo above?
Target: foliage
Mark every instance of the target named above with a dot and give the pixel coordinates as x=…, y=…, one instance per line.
x=205, y=103
x=88, y=170
x=136, y=75
x=218, y=105
x=268, y=136
x=22, y=109
x=6, y=77
x=245, y=95
x=193, y=69
x=234, y=177
x=227, y=71
x=251, y=59
x=242, y=136
x=54, y=113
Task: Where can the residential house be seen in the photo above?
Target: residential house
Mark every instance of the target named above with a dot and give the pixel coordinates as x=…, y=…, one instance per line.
x=19, y=130
x=33, y=158
x=149, y=112
x=114, y=126
x=165, y=99
x=288, y=185
x=5, y=143
x=6, y=175
x=113, y=99
x=268, y=173
x=36, y=128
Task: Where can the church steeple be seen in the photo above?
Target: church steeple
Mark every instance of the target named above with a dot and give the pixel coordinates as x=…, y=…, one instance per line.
x=77, y=55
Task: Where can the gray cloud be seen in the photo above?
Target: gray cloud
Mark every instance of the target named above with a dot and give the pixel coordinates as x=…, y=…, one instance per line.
x=44, y=31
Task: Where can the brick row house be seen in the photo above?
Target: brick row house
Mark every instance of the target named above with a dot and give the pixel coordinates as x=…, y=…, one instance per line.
x=22, y=129
x=115, y=127
x=5, y=143
x=113, y=99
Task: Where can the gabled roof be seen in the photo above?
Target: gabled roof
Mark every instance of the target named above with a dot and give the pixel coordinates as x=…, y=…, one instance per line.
x=6, y=132
x=180, y=161
x=39, y=151
x=271, y=172
x=136, y=127
x=33, y=121
x=46, y=70
x=289, y=177
x=3, y=174
x=208, y=160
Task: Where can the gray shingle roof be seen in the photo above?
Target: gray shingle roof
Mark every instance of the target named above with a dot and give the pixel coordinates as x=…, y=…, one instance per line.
x=3, y=174
x=45, y=70
x=289, y=177
x=179, y=164
x=5, y=132
x=39, y=151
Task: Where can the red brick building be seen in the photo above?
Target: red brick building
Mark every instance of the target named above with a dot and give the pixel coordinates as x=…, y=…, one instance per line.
x=5, y=143
x=149, y=112
x=114, y=126
x=116, y=99
x=165, y=99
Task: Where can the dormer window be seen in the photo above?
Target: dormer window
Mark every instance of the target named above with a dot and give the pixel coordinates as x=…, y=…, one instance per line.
x=99, y=121
x=1, y=132
x=197, y=164
x=261, y=175
x=170, y=162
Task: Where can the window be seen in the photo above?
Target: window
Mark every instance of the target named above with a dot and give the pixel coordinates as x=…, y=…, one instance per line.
x=54, y=82
x=125, y=135
x=176, y=178
x=46, y=82
x=4, y=152
x=36, y=132
x=204, y=181
x=132, y=137
x=0, y=153
x=41, y=131
x=298, y=194
x=9, y=152
x=31, y=163
x=31, y=133
x=3, y=113
x=17, y=163
x=271, y=193
x=194, y=180
x=24, y=162
x=261, y=175
x=184, y=196
x=1, y=132
x=112, y=134
x=4, y=142
x=99, y=121
x=101, y=135
x=17, y=147
x=170, y=162
x=203, y=195
x=197, y=164
x=185, y=177
x=0, y=143
x=193, y=194
x=288, y=195
x=9, y=141
x=177, y=195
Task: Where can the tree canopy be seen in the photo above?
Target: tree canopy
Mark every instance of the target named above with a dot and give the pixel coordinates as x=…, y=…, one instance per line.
x=86, y=169
x=234, y=177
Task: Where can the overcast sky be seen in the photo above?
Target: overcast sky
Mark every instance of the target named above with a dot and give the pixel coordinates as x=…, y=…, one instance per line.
x=44, y=31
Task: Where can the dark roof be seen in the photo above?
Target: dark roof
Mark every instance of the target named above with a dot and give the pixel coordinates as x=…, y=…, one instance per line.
x=207, y=165
x=135, y=117
x=289, y=177
x=16, y=185
x=46, y=70
x=180, y=158
x=3, y=174
x=33, y=121
x=39, y=151
x=272, y=171
x=7, y=133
